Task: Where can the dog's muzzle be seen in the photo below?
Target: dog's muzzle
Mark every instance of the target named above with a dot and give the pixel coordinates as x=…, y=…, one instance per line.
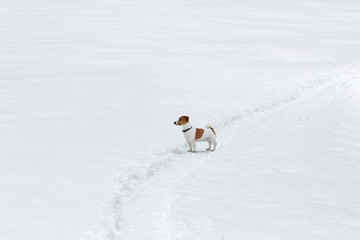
x=175, y=123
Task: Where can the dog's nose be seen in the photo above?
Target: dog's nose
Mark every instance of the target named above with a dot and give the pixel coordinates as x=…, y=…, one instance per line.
x=175, y=122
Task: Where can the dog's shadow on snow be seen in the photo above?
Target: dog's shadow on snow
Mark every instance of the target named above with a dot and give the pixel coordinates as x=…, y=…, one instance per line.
x=182, y=151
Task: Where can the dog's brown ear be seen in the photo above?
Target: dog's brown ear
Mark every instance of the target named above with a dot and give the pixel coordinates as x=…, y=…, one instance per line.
x=186, y=118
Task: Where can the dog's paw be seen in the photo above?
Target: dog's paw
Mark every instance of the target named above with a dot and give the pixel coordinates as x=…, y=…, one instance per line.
x=208, y=149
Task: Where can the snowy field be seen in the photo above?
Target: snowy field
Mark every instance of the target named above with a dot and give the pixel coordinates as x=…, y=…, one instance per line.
x=90, y=89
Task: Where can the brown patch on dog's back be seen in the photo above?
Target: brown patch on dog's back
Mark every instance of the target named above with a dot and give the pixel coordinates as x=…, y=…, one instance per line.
x=199, y=133
x=213, y=130
x=183, y=120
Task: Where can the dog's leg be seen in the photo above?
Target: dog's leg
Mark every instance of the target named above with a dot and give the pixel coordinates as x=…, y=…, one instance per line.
x=193, y=147
x=209, y=148
x=214, y=146
x=189, y=146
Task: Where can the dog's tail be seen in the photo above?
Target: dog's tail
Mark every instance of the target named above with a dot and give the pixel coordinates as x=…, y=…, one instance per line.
x=211, y=127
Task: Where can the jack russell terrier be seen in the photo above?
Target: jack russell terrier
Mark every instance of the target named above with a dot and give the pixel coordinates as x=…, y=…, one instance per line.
x=192, y=135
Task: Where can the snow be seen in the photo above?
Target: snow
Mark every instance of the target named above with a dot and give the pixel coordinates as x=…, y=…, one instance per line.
x=89, y=92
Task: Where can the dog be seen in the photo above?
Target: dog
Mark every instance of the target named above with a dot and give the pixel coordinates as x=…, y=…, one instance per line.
x=192, y=135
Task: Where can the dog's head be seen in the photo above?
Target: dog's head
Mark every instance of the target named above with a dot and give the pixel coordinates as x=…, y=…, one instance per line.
x=182, y=120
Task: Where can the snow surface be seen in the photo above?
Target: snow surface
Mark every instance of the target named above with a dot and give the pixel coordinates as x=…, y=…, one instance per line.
x=90, y=89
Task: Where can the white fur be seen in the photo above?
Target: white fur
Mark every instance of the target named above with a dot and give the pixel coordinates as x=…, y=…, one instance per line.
x=208, y=136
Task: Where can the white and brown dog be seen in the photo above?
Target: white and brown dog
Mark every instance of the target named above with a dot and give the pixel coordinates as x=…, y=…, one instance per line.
x=192, y=135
